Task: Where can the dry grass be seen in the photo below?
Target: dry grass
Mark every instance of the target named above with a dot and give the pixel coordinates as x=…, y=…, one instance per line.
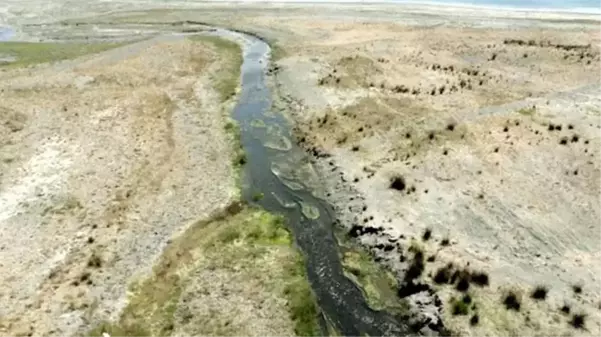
x=229, y=75
x=252, y=244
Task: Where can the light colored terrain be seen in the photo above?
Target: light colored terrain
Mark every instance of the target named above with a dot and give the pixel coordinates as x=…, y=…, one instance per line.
x=513, y=200
x=100, y=167
x=119, y=198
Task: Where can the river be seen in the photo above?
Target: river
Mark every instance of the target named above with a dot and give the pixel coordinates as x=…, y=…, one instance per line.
x=279, y=169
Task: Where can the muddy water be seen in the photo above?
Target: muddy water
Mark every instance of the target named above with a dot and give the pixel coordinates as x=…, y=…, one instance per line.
x=281, y=171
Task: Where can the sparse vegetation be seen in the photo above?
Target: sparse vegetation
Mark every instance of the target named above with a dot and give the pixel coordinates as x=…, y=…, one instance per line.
x=511, y=301
x=480, y=278
x=240, y=238
x=398, y=183
x=578, y=320
x=427, y=234
x=458, y=307
x=229, y=75
x=378, y=283
x=539, y=293
x=445, y=242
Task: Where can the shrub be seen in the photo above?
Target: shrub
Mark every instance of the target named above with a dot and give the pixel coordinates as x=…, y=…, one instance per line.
x=398, y=183
x=511, y=301
x=442, y=275
x=451, y=126
x=445, y=242
x=577, y=321
x=480, y=278
x=577, y=289
x=565, y=309
x=563, y=141
x=445, y=152
x=539, y=293
x=95, y=261
x=551, y=127
x=570, y=126
x=431, y=258
x=474, y=320
x=427, y=234
x=458, y=307
x=467, y=299
x=506, y=129
x=463, y=284
x=575, y=138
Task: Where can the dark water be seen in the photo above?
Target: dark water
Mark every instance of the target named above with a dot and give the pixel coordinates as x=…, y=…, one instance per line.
x=339, y=299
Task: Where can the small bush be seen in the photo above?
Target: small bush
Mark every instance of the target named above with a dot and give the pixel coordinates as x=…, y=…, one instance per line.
x=563, y=141
x=431, y=258
x=570, y=126
x=511, y=301
x=577, y=289
x=459, y=307
x=463, y=284
x=445, y=152
x=551, y=127
x=565, y=309
x=451, y=126
x=442, y=275
x=480, y=278
x=95, y=261
x=539, y=293
x=431, y=135
x=427, y=234
x=506, y=129
x=575, y=138
x=241, y=159
x=445, y=242
x=474, y=320
x=398, y=183
x=577, y=321
x=467, y=299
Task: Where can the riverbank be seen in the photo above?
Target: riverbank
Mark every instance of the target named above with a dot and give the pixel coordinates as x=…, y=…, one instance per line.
x=103, y=155
x=434, y=144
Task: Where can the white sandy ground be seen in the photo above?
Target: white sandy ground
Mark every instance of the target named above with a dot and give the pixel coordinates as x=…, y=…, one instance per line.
x=109, y=157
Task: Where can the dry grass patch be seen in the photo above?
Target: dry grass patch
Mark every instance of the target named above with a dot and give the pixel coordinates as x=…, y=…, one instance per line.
x=253, y=252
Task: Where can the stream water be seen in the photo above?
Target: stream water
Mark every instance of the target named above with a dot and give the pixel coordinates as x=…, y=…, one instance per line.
x=281, y=171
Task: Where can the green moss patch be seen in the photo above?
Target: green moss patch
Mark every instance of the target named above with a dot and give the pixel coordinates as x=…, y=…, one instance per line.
x=24, y=54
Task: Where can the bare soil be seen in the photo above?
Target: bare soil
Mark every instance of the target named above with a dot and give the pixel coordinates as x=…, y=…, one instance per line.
x=103, y=162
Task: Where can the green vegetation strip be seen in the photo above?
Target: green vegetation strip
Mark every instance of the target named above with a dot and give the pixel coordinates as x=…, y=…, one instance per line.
x=242, y=239
x=229, y=74
x=22, y=54
x=378, y=284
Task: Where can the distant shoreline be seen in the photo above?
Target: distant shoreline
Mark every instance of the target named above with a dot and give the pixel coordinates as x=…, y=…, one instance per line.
x=434, y=3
